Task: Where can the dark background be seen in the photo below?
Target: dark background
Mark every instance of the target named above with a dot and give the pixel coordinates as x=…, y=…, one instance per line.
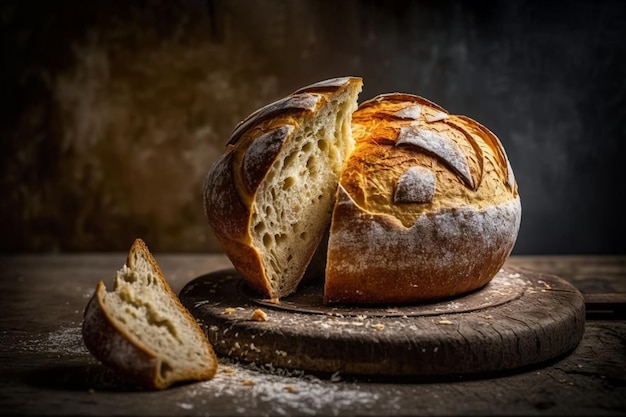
x=112, y=111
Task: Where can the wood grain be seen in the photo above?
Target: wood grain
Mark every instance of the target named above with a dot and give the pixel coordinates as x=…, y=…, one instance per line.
x=544, y=321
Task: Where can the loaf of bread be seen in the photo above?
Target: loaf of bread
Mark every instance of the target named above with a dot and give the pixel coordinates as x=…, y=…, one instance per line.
x=270, y=196
x=141, y=329
x=427, y=206
x=424, y=204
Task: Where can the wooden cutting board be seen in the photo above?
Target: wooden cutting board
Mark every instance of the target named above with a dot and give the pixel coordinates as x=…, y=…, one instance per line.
x=520, y=318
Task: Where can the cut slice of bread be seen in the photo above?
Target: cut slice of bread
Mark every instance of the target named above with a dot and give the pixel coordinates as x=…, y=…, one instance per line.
x=269, y=198
x=143, y=331
x=293, y=204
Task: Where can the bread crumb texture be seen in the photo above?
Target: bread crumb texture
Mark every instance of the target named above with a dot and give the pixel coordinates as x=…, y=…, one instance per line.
x=150, y=334
x=293, y=204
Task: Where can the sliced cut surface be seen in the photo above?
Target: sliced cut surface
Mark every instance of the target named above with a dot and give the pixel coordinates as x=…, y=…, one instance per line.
x=141, y=328
x=293, y=204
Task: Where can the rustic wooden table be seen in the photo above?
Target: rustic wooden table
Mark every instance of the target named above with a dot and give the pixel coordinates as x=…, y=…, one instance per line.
x=45, y=369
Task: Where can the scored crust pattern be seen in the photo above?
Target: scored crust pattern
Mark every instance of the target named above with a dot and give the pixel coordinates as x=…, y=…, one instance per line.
x=427, y=206
x=424, y=203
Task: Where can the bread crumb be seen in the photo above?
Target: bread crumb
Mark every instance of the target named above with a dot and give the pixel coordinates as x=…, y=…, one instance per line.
x=248, y=382
x=229, y=310
x=378, y=326
x=291, y=389
x=444, y=321
x=546, y=286
x=258, y=315
x=488, y=316
x=228, y=370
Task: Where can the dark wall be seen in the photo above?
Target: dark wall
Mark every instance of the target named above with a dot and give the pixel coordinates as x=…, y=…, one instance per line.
x=114, y=111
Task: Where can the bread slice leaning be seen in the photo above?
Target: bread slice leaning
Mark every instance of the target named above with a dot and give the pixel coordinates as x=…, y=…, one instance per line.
x=269, y=197
x=142, y=330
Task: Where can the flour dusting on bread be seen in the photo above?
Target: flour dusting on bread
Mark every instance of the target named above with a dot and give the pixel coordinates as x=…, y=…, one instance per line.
x=425, y=208
x=421, y=204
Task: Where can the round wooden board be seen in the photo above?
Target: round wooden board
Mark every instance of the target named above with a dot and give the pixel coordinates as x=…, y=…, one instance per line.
x=520, y=318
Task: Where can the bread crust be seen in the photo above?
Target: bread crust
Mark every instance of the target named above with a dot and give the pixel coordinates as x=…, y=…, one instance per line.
x=427, y=206
x=374, y=259
x=232, y=181
x=111, y=343
x=115, y=347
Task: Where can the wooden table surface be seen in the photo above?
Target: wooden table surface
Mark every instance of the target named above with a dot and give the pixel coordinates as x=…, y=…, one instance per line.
x=46, y=370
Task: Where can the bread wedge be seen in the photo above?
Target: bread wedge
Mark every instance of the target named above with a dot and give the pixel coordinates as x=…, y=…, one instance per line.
x=141, y=329
x=269, y=197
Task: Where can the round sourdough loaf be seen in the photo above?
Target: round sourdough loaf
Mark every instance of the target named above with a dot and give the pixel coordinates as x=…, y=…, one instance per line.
x=427, y=206
x=270, y=196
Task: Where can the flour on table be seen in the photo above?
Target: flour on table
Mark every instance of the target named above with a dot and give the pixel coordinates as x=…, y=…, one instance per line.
x=289, y=391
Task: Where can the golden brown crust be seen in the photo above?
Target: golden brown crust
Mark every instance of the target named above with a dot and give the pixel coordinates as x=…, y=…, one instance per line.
x=109, y=340
x=233, y=180
x=248, y=262
x=427, y=205
x=223, y=205
x=373, y=259
x=469, y=162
